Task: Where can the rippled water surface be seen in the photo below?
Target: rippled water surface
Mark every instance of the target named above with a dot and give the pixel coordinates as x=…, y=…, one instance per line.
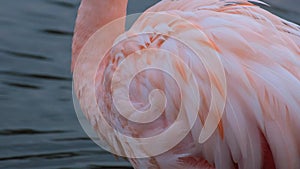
x=38, y=125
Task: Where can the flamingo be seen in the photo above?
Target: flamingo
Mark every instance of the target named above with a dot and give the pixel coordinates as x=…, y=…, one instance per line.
x=258, y=53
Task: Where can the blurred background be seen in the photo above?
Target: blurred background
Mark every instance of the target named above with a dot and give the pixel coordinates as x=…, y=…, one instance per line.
x=38, y=125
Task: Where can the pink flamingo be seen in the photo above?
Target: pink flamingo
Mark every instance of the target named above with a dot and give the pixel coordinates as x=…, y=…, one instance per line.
x=259, y=51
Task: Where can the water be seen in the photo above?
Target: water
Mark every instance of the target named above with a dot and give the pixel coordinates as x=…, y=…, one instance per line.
x=38, y=125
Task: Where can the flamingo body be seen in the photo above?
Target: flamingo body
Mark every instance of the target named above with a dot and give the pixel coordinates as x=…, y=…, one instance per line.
x=260, y=53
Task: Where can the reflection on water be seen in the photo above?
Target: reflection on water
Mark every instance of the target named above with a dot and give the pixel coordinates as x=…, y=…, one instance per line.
x=38, y=125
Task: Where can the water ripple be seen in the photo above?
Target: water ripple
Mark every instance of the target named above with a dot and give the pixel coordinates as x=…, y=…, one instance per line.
x=36, y=76
x=44, y=156
x=20, y=85
x=56, y=155
x=25, y=55
x=73, y=139
x=10, y=132
x=64, y=4
x=57, y=32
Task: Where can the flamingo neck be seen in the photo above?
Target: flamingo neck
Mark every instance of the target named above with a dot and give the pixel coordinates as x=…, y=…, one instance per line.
x=92, y=15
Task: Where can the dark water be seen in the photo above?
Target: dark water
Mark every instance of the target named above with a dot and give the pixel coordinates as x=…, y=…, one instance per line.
x=38, y=125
